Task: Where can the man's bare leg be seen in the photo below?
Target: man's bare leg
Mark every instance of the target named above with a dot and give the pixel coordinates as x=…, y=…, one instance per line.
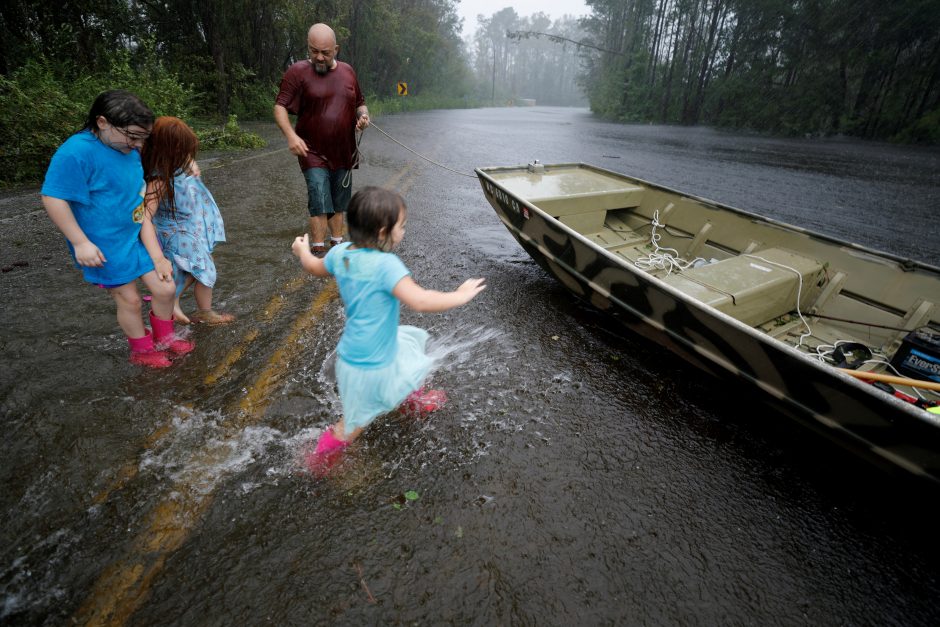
x=337, y=226
x=317, y=229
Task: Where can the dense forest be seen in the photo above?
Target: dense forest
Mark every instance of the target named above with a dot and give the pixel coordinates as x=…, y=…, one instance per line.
x=858, y=67
x=231, y=52
x=208, y=59
x=546, y=69
x=866, y=68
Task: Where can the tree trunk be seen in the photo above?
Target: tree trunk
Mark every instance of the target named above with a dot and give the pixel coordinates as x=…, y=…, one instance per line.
x=707, y=56
x=667, y=91
x=212, y=25
x=687, y=66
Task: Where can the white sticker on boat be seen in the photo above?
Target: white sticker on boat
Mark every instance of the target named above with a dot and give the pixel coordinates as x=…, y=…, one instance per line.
x=761, y=268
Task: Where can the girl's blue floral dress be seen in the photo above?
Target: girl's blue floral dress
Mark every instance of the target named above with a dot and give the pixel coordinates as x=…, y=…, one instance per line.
x=189, y=236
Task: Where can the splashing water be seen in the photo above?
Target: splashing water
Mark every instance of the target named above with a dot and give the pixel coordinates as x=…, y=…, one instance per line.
x=202, y=449
x=460, y=356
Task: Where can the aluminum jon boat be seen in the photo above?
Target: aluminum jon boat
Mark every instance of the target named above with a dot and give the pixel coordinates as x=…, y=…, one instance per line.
x=841, y=337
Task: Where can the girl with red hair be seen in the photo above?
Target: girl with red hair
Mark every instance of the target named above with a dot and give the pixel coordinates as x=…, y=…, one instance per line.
x=184, y=213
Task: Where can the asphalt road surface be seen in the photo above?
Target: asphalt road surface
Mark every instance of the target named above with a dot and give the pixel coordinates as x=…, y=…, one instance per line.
x=577, y=475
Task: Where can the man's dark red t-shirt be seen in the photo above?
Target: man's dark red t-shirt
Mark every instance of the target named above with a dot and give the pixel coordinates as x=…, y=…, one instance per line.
x=325, y=106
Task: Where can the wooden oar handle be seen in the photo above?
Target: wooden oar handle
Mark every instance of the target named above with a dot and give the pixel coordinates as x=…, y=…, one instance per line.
x=889, y=378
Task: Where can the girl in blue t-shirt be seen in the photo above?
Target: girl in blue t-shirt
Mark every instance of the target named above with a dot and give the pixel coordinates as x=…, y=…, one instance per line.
x=94, y=194
x=380, y=365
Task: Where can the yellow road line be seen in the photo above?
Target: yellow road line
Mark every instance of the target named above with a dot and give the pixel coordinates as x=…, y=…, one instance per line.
x=258, y=396
x=274, y=306
x=123, y=587
x=231, y=358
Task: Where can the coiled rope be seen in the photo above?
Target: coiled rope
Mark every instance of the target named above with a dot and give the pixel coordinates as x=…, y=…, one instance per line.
x=662, y=258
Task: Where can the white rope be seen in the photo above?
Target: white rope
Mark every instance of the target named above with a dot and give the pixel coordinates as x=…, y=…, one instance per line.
x=347, y=179
x=668, y=259
x=799, y=293
x=662, y=258
x=440, y=165
x=824, y=351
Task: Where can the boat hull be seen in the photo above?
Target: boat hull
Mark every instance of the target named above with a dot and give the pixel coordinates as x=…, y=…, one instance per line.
x=887, y=431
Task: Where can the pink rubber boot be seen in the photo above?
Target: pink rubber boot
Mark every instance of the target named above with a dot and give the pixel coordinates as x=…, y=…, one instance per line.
x=329, y=451
x=422, y=402
x=143, y=352
x=165, y=338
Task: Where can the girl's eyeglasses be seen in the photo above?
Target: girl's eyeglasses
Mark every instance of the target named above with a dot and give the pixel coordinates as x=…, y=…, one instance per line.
x=132, y=135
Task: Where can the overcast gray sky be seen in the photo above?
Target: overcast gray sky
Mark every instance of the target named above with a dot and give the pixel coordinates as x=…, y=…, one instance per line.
x=469, y=9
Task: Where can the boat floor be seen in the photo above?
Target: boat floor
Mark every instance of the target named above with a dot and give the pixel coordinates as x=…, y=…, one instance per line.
x=619, y=238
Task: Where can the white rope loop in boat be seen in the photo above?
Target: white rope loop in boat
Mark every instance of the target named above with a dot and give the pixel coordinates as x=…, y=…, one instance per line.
x=662, y=258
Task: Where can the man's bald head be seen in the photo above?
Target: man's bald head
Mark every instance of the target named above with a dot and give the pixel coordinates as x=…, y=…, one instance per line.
x=322, y=48
x=322, y=32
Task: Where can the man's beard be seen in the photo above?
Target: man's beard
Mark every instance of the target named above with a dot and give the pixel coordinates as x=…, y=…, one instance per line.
x=320, y=68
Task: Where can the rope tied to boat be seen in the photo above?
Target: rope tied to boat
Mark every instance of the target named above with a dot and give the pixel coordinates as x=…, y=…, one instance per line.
x=429, y=160
x=668, y=259
x=799, y=293
x=662, y=258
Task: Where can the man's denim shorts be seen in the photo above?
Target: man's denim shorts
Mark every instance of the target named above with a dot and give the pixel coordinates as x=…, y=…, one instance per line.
x=325, y=191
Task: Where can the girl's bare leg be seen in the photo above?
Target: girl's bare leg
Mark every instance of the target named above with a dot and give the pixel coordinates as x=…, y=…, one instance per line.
x=163, y=293
x=128, y=302
x=339, y=432
x=178, y=314
x=203, y=296
x=204, y=311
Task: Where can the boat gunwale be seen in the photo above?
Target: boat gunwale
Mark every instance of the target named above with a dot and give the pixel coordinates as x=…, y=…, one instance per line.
x=906, y=262
x=828, y=370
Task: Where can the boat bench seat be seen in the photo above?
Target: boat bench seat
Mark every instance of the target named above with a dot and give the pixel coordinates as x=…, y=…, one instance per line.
x=585, y=212
x=753, y=288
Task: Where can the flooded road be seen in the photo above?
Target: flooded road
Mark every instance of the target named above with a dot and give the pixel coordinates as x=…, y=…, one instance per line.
x=577, y=476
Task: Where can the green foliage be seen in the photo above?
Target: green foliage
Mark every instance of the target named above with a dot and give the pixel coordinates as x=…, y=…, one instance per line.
x=36, y=114
x=605, y=97
x=40, y=106
x=252, y=98
x=145, y=75
x=859, y=67
x=737, y=108
x=218, y=57
x=925, y=130
x=229, y=136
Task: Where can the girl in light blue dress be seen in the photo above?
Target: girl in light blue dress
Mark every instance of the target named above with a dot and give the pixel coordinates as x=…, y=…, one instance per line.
x=380, y=365
x=185, y=215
